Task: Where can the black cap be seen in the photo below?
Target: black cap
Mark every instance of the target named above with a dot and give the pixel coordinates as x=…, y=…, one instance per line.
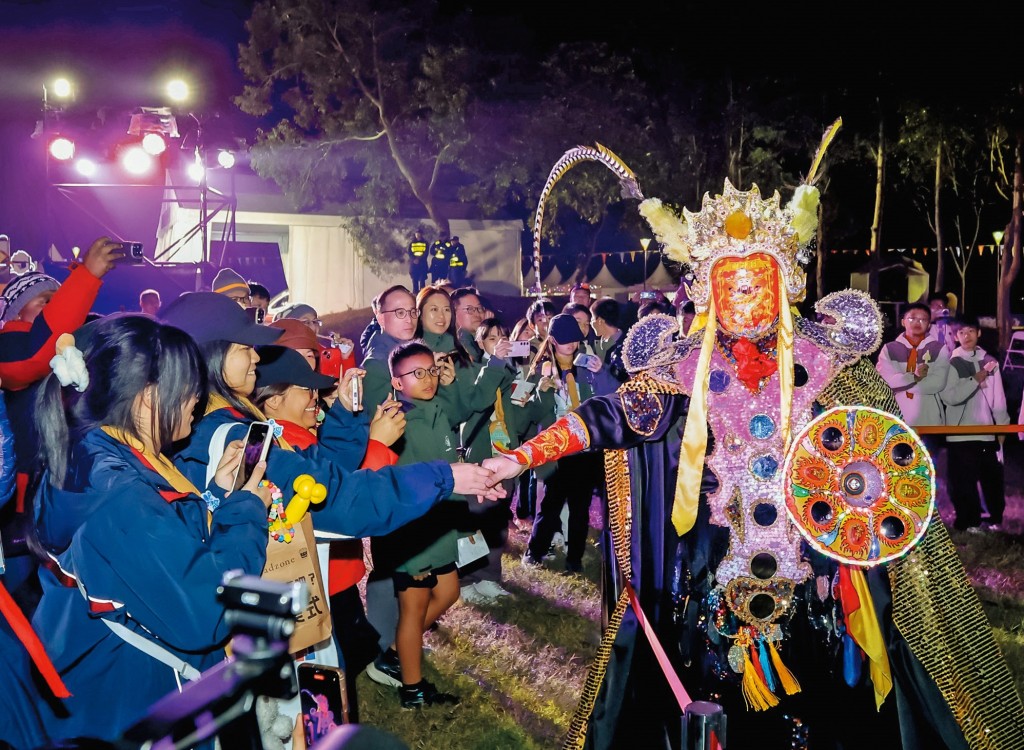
x=565, y=329
x=209, y=316
x=279, y=364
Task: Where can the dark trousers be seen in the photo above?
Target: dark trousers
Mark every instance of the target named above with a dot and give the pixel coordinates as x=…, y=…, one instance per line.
x=526, y=498
x=572, y=483
x=419, y=276
x=970, y=463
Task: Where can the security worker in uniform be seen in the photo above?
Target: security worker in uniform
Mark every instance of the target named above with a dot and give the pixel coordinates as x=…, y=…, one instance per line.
x=457, y=263
x=418, y=261
x=439, y=258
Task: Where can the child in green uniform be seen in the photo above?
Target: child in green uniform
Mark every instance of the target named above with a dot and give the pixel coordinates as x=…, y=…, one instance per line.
x=425, y=577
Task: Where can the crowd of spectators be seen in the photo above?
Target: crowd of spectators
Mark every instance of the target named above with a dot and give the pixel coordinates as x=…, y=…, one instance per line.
x=122, y=435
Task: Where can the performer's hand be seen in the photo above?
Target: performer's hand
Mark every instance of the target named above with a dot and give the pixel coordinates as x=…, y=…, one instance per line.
x=503, y=468
x=471, y=479
x=921, y=372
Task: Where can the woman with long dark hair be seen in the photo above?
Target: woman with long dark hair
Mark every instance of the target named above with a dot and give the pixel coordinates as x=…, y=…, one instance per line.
x=133, y=550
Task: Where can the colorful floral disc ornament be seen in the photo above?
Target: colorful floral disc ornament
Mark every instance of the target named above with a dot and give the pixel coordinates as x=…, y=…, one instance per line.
x=860, y=485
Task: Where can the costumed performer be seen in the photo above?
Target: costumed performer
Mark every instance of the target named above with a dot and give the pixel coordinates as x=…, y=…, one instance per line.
x=783, y=560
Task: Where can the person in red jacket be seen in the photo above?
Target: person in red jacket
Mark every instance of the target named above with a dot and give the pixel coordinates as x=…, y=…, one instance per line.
x=286, y=391
x=35, y=309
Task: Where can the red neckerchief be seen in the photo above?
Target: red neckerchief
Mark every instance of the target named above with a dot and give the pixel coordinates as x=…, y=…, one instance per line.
x=752, y=365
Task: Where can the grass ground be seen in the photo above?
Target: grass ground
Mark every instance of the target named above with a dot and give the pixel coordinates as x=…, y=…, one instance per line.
x=519, y=663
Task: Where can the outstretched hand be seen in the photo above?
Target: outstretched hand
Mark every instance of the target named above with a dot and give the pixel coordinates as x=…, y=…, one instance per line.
x=503, y=467
x=471, y=479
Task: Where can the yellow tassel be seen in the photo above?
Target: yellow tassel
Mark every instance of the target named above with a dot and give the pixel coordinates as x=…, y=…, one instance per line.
x=789, y=683
x=755, y=692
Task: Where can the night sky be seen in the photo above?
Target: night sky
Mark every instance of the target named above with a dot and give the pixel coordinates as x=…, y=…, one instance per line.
x=119, y=51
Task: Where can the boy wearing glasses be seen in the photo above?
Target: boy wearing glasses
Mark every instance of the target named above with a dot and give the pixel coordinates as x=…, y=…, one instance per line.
x=915, y=367
x=423, y=553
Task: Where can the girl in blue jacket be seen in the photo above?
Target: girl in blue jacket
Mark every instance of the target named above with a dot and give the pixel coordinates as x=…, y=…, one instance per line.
x=133, y=552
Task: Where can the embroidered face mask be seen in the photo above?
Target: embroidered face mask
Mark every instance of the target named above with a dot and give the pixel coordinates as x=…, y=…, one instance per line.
x=746, y=292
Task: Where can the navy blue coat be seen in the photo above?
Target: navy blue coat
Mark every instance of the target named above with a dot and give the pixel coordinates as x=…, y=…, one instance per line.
x=147, y=560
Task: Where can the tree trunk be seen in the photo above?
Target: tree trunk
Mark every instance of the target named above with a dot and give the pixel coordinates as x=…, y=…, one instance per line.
x=876, y=222
x=1010, y=261
x=940, y=248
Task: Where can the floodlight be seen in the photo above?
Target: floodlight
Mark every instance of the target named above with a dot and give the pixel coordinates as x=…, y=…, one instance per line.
x=62, y=148
x=196, y=171
x=136, y=161
x=226, y=159
x=62, y=88
x=153, y=144
x=177, y=90
x=86, y=167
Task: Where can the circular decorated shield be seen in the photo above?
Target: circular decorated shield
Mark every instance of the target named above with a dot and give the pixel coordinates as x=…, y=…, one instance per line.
x=860, y=485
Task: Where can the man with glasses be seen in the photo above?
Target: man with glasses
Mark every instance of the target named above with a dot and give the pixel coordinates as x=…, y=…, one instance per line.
x=915, y=366
x=231, y=285
x=396, y=313
x=469, y=314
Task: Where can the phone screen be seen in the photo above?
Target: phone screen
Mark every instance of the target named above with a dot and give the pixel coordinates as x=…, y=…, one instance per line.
x=323, y=701
x=255, y=439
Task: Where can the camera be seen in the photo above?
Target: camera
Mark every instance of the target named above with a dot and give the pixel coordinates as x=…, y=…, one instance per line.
x=257, y=314
x=648, y=295
x=132, y=254
x=265, y=609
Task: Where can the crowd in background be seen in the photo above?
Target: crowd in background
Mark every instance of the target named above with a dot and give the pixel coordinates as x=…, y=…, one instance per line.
x=123, y=435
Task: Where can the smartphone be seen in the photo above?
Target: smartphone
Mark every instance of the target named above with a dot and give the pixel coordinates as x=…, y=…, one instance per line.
x=324, y=701
x=257, y=314
x=132, y=254
x=991, y=366
x=257, y=443
x=586, y=360
x=330, y=362
x=519, y=349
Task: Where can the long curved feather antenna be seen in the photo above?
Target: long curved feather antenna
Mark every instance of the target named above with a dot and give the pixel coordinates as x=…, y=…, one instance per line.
x=826, y=139
x=572, y=157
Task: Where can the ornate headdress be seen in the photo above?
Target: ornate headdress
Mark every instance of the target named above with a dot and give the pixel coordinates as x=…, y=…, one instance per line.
x=738, y=223
x=735, y=223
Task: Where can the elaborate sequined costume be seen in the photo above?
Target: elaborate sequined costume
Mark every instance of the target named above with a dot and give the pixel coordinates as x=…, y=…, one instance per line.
x=784, y=560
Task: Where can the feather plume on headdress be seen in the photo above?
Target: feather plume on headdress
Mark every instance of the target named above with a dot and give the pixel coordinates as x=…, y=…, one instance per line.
x=668, y=227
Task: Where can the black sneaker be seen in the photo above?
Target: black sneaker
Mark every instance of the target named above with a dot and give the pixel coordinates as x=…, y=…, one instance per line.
x=385, y=670
x=424, y=694
x=573, y=568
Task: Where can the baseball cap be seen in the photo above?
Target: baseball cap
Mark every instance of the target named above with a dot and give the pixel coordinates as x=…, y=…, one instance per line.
x=279, y=364
x=297, y=335
x=564, y=329
x=210, y=316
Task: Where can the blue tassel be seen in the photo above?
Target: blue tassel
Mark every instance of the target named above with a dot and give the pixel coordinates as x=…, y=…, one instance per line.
x=766, y=664
x=852, y=661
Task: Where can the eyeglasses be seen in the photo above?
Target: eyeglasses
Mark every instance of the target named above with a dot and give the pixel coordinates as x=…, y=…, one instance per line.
x=471, y=309
x=401, y=312
x=314, y=323
x=244, y=301
x=422, y=372
x=918, y=320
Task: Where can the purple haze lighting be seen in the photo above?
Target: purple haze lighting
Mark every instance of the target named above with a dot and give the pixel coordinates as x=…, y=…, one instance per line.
x=86, y=167
x=136, y=161
x=154, y=144
x=62, y=148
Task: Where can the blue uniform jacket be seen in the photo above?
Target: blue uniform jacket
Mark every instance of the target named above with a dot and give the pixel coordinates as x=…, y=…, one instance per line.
x=359, y=503
x=147, y=560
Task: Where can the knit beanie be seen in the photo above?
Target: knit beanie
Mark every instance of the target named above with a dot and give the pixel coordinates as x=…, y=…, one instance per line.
x=21, y=290
x=227, y=279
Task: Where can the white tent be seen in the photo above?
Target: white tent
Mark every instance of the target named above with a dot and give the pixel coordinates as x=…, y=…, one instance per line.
x=321, y=265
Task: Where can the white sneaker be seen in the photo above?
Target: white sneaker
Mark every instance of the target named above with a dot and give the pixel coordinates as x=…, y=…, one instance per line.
x=491, y=589
x=558, y=541
x=471, y=595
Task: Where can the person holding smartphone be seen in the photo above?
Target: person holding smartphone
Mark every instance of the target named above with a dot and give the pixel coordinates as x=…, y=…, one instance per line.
x=135, y=551
x=974, y=396
x=359, y=503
